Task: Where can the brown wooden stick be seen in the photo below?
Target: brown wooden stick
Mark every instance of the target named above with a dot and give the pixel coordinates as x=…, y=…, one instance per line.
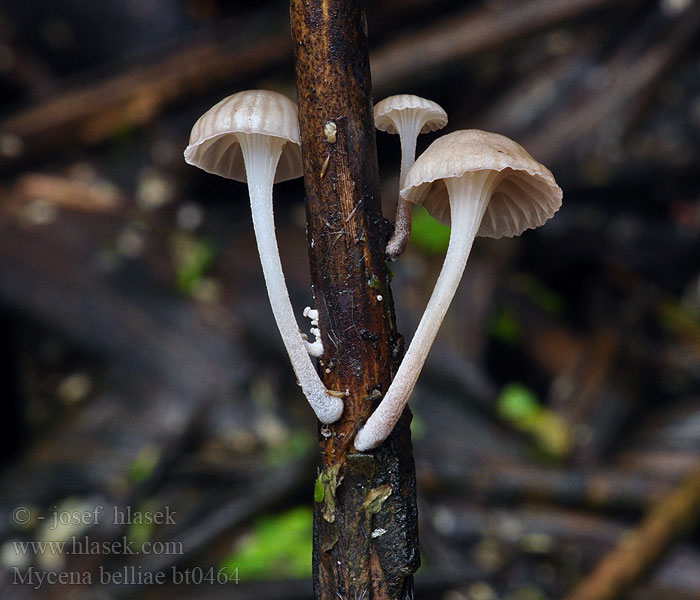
x=638, y=551
x=365, y=532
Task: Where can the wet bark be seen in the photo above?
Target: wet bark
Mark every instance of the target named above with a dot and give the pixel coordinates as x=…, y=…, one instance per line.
x=365, y=531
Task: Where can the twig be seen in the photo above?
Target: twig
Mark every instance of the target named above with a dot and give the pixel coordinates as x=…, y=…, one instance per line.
x=640, y=549
x=351, y=287
x=463, y=34
x=508, y=481
x=634, y=74
x=67, y=193
x=93, y=112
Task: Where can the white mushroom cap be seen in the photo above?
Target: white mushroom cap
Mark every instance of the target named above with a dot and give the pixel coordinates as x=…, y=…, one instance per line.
x=214, y=144
x=387, y=111
x=524, y=198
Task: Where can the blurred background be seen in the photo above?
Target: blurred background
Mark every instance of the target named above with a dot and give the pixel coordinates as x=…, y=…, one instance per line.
x=143, y=370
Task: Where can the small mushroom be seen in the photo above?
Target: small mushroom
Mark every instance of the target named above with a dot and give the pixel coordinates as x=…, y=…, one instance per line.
x=481, y=184
x=253, y=136
x=408, y=116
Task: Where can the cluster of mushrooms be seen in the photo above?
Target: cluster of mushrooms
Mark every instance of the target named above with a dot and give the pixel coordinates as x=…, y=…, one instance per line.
x=479, y=183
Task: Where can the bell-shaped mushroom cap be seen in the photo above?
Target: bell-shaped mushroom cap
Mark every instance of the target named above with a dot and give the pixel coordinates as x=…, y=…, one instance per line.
x=525, y=195
x=387, y=110
x=214, y=144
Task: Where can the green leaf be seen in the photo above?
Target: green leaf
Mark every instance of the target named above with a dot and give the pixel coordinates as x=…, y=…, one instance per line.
x=428, y=234
x=319, y=490
x=517, y=403
x=142, y=466
x=550, y=433
x=279, y=547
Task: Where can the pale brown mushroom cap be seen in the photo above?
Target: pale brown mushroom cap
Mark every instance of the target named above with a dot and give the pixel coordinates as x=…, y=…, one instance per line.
x=386, y=111
x=525, y=196
x=214, y=144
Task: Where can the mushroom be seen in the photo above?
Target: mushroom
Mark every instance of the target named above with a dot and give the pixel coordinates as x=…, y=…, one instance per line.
x=482, y=184
x=408, y=116
x=253, y=136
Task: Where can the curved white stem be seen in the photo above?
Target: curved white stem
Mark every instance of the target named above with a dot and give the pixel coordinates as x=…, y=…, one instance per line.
x=469, y=196
x=408, y=128
x=261, y=155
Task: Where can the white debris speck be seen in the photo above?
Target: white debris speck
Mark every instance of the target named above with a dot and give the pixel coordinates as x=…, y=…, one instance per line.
x=329, y=130
x=311, y=313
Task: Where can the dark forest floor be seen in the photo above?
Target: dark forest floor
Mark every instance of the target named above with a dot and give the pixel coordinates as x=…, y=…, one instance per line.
x=562, y=397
